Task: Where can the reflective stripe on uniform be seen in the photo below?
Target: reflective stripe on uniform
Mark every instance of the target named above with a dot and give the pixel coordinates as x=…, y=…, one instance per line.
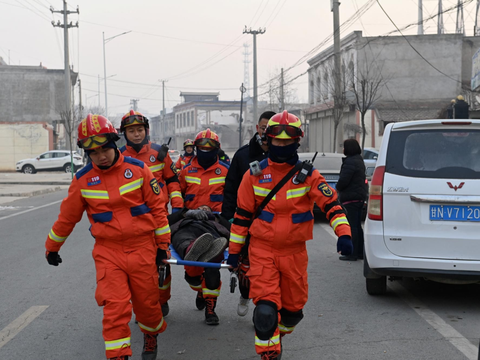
x=211, y=292
x=262, y=192
x=196, y=287
x=157, y=167
x=238, y=239
x=57, y=238
x=134, y=185
x=164, y=287
x=338, y=221
x=192, y=180
x=275, y=340
x=162, y=231
x=218, y=180
x=294, y=193
x=144, y=327
x=175, y=194
x=117, y=344
x=285, y=329
x=94, y=194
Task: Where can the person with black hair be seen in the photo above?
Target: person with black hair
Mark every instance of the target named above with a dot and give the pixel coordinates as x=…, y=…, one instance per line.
x=352, y=191
x=255, y=150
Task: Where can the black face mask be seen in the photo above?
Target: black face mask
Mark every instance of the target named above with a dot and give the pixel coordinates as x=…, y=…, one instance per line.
x=283, y=154
x=207, y=158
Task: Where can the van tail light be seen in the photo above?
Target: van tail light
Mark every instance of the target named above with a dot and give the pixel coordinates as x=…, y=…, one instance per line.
x=375, y=200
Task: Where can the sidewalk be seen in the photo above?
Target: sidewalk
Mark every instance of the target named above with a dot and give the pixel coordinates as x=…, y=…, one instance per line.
x=14, y=186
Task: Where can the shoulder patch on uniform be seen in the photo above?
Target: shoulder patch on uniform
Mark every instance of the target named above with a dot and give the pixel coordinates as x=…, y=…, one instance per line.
x=264, y=163
x=155, y=186
x=123, y=148
x=325, y=189
x=84, y=170
x=133, y=161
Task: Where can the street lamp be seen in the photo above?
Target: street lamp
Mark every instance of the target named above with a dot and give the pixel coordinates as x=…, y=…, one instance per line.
x=105, y=65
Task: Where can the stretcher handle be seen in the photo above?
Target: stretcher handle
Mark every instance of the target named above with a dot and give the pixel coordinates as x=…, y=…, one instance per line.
x=197, y=263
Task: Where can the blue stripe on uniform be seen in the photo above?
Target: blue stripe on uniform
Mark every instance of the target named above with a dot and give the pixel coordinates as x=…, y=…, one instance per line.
x=139, y=210
x=302, y=217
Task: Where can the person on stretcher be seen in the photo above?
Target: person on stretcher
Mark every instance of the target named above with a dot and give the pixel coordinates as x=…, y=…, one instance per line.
x=199, y=235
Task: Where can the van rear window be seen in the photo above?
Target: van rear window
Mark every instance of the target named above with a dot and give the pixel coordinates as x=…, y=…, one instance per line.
x=434, y=154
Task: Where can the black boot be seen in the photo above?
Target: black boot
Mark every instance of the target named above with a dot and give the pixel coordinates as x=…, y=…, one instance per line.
x=149, y=347
x=210, y=317
x=200, y=301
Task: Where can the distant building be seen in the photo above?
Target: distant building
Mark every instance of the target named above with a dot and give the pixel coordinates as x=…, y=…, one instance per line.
x=31, y=98
x=417, y=87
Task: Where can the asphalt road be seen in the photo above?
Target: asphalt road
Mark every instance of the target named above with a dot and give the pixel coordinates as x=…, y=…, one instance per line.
x=50, y=312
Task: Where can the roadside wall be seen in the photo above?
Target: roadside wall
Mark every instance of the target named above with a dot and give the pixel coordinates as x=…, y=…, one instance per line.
x=22, y=141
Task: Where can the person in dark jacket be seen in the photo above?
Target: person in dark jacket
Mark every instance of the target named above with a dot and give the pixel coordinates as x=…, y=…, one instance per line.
x=256, y=149
x=222, y=156
x=352, y=191
x=461, y=110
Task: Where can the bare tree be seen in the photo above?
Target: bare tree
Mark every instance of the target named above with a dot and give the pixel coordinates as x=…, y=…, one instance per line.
x=280, y=92
x=366, y=84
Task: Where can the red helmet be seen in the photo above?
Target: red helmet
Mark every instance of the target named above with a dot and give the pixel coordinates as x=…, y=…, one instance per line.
x=188, y=142
x=95, y=131
x=284, y=126
x=207, y=140
x=133, y=118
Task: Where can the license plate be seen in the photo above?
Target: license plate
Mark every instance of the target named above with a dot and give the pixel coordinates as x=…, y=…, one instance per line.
x=454, y=213
x=332, y=185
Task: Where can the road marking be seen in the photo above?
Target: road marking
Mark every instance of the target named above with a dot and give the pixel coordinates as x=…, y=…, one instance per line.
x=20, y=323
x=26, y=211
x=447, y=331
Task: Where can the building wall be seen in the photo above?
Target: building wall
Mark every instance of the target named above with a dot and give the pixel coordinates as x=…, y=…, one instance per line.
x=22, y=141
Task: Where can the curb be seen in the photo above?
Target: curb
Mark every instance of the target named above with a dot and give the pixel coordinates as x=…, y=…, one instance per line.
x=33, y=193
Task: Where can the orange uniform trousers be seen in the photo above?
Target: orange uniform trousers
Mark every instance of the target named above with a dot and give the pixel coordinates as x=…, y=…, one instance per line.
x=122, y=276
x=279, y=277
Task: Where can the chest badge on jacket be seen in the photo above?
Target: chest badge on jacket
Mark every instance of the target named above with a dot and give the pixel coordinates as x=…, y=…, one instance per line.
x=295, y=181
x=192, y=170
x=128, y=174
x=266, y=178
x=218, y=171
x=152, y=159
x=94, y=181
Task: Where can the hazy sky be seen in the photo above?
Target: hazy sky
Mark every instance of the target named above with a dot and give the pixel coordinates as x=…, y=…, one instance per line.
x=194, y=45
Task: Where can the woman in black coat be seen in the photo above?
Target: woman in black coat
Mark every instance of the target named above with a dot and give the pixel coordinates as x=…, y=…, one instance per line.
x=352, y=191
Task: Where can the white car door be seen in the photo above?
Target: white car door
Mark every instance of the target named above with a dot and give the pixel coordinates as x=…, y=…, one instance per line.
x=44, y=161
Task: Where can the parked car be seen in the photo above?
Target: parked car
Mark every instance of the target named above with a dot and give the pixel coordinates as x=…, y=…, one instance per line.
x=424, y=204
x=53, y=160
x=174, y=155
x=370, y=156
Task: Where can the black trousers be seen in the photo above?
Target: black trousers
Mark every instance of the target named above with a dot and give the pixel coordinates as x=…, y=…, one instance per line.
x=354, y=217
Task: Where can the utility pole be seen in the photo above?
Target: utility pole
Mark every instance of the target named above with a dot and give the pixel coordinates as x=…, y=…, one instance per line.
x=338, y=69
x=476, y=31
x=134, y=103
x=282, y=94
x=240, y=118
x=98, y=92
x=460, y=28
x=255, y=97
x=80, y=108
x=420, y=17
x=440, y=29
x=66, y=26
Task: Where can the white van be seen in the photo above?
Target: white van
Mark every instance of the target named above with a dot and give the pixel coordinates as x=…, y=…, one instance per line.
x=424, y=204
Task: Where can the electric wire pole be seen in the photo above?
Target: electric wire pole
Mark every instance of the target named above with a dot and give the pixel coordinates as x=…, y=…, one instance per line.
x=255, y=97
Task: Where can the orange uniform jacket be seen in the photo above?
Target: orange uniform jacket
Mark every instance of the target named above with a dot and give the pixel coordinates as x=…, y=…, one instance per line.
x=164, y=171
x=182, y=161
x=287, y=220
x=124, y=204
x=203, y=187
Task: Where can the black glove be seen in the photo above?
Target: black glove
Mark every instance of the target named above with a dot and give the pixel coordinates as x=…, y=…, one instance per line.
x=53, y=258
x=196, y=214
x=345, y=245
x=161, y=255
x=233, y=260
x=162, y=153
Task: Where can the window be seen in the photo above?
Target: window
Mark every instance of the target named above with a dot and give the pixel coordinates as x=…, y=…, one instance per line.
x=193, y=122
x=46, y=156
x=184, y=120
x=312, y=92
x=188, y=118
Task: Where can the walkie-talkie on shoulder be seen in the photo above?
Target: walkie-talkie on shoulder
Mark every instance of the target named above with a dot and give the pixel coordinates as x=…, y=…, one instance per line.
x=162, y=153
x=305, y=170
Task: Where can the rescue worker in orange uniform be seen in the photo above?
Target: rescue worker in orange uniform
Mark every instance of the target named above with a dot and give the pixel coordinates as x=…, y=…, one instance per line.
x=277, y=247
x=202, y=182
x=135, y=129
x=187, y=156
x=126, y=208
